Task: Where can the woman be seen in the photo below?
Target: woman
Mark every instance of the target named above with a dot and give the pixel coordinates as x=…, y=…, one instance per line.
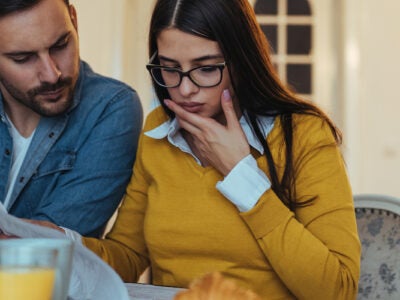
x=234, y=173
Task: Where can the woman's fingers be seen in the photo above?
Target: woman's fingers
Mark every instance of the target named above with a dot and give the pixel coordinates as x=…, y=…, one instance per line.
x=229, y=110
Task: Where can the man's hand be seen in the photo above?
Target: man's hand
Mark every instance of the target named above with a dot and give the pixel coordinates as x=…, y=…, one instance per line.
x=4, y=236
x=223, y=146
x=45, y=224
x=48, y=224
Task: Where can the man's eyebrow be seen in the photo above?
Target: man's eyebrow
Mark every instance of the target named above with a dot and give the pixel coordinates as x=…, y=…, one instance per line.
x=62, y=38
x=198, y=59
x=21, y=53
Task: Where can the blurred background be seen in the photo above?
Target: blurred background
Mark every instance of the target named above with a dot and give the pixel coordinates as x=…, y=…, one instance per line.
x=342, y=54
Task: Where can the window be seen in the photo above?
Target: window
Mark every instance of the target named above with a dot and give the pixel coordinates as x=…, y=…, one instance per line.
x=288, y=26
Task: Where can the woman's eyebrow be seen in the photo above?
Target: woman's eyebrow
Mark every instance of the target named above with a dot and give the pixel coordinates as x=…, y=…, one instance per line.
x=198, y=59
x=207, y=57
x=160, y=57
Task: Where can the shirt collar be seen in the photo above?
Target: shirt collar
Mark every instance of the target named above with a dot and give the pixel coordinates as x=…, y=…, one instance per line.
x=76, y=97
x=171, y=130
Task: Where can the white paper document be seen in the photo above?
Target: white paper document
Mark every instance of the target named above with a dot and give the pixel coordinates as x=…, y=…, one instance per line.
x=91, y=278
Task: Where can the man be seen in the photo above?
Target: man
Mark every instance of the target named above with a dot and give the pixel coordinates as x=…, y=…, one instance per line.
x=68, y=136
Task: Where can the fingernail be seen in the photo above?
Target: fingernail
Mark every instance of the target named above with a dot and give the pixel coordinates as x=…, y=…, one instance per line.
x=166, y=102
x=226, y=94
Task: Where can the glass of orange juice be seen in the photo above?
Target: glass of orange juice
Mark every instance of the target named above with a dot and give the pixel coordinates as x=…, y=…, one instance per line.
x=27, y=272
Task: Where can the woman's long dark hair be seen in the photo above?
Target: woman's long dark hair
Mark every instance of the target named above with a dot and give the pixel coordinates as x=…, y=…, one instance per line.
x=232, y=23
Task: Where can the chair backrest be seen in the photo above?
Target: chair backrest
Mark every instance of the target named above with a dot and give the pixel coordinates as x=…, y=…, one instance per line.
x=378, y=222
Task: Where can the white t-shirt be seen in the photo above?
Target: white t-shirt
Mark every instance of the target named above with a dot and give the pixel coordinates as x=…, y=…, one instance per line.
x=20, y=147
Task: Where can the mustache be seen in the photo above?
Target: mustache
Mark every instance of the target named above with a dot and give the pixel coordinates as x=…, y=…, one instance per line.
x=50, y=87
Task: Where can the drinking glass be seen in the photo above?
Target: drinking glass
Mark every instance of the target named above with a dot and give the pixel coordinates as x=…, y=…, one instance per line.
x=26, y=272
x=61, y=267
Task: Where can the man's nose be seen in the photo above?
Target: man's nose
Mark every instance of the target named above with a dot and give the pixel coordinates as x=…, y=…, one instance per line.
x=49, y=71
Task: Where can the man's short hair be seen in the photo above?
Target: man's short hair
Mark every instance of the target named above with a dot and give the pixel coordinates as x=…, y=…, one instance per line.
x=10, y=6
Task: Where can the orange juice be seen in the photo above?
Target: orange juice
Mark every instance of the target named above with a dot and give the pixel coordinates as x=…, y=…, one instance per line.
x=26, y=283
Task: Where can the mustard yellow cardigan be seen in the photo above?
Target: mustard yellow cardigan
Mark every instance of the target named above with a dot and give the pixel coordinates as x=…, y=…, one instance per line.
x=174, y=219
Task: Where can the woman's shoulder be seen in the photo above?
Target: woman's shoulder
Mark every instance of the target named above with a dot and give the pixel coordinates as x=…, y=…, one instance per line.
x=306, y=128
x=309, y=121
x=312, y=129
x=304, y=122
x=155, y=118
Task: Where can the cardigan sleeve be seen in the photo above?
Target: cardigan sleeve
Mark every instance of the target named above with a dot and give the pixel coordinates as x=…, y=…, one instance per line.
x=124, y=246
x=314, y=250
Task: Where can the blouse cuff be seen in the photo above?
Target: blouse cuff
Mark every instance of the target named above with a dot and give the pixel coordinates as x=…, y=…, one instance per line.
x=244, y=184
x=72, y=235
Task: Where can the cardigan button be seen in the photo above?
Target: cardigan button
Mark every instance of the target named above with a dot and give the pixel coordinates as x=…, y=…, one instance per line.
x=7, y=152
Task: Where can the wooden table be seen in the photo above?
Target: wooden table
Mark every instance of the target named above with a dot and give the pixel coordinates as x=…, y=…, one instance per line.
x=140, y=291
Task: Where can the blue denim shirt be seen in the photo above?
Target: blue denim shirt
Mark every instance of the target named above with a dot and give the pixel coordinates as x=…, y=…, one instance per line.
x=78, y=164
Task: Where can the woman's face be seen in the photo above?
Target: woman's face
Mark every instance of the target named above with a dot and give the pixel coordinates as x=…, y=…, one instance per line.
x=186, y=51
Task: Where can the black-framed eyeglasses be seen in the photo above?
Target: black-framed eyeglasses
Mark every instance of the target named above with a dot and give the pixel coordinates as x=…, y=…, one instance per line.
x=203, y=76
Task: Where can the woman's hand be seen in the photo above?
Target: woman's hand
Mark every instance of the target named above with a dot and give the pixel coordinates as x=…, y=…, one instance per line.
x=222, y=146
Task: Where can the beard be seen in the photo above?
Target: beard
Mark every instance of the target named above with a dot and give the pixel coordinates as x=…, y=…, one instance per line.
x=32, y=98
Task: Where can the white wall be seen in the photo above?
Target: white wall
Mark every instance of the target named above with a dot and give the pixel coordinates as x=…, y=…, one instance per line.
x=113, y=39
x=372, y=33
x=357, y=41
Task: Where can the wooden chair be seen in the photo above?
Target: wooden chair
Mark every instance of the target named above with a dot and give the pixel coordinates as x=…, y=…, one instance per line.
x=378, y=222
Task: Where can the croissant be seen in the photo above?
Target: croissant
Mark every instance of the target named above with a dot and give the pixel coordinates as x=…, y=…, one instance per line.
x=214, y=286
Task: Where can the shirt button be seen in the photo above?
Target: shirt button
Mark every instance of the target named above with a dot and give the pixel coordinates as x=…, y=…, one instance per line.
x=51, y=134
x=7, y=152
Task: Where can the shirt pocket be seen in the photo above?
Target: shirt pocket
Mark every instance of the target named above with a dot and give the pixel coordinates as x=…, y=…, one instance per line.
x=57, y=161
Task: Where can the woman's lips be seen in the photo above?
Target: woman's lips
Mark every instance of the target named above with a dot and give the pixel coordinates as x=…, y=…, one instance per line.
x=192, y=107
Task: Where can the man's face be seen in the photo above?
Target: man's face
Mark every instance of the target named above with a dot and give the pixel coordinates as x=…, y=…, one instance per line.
x=39, y=57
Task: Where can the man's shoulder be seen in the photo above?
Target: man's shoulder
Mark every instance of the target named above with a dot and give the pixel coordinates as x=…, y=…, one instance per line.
x=97, y=95
x=101, y=85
